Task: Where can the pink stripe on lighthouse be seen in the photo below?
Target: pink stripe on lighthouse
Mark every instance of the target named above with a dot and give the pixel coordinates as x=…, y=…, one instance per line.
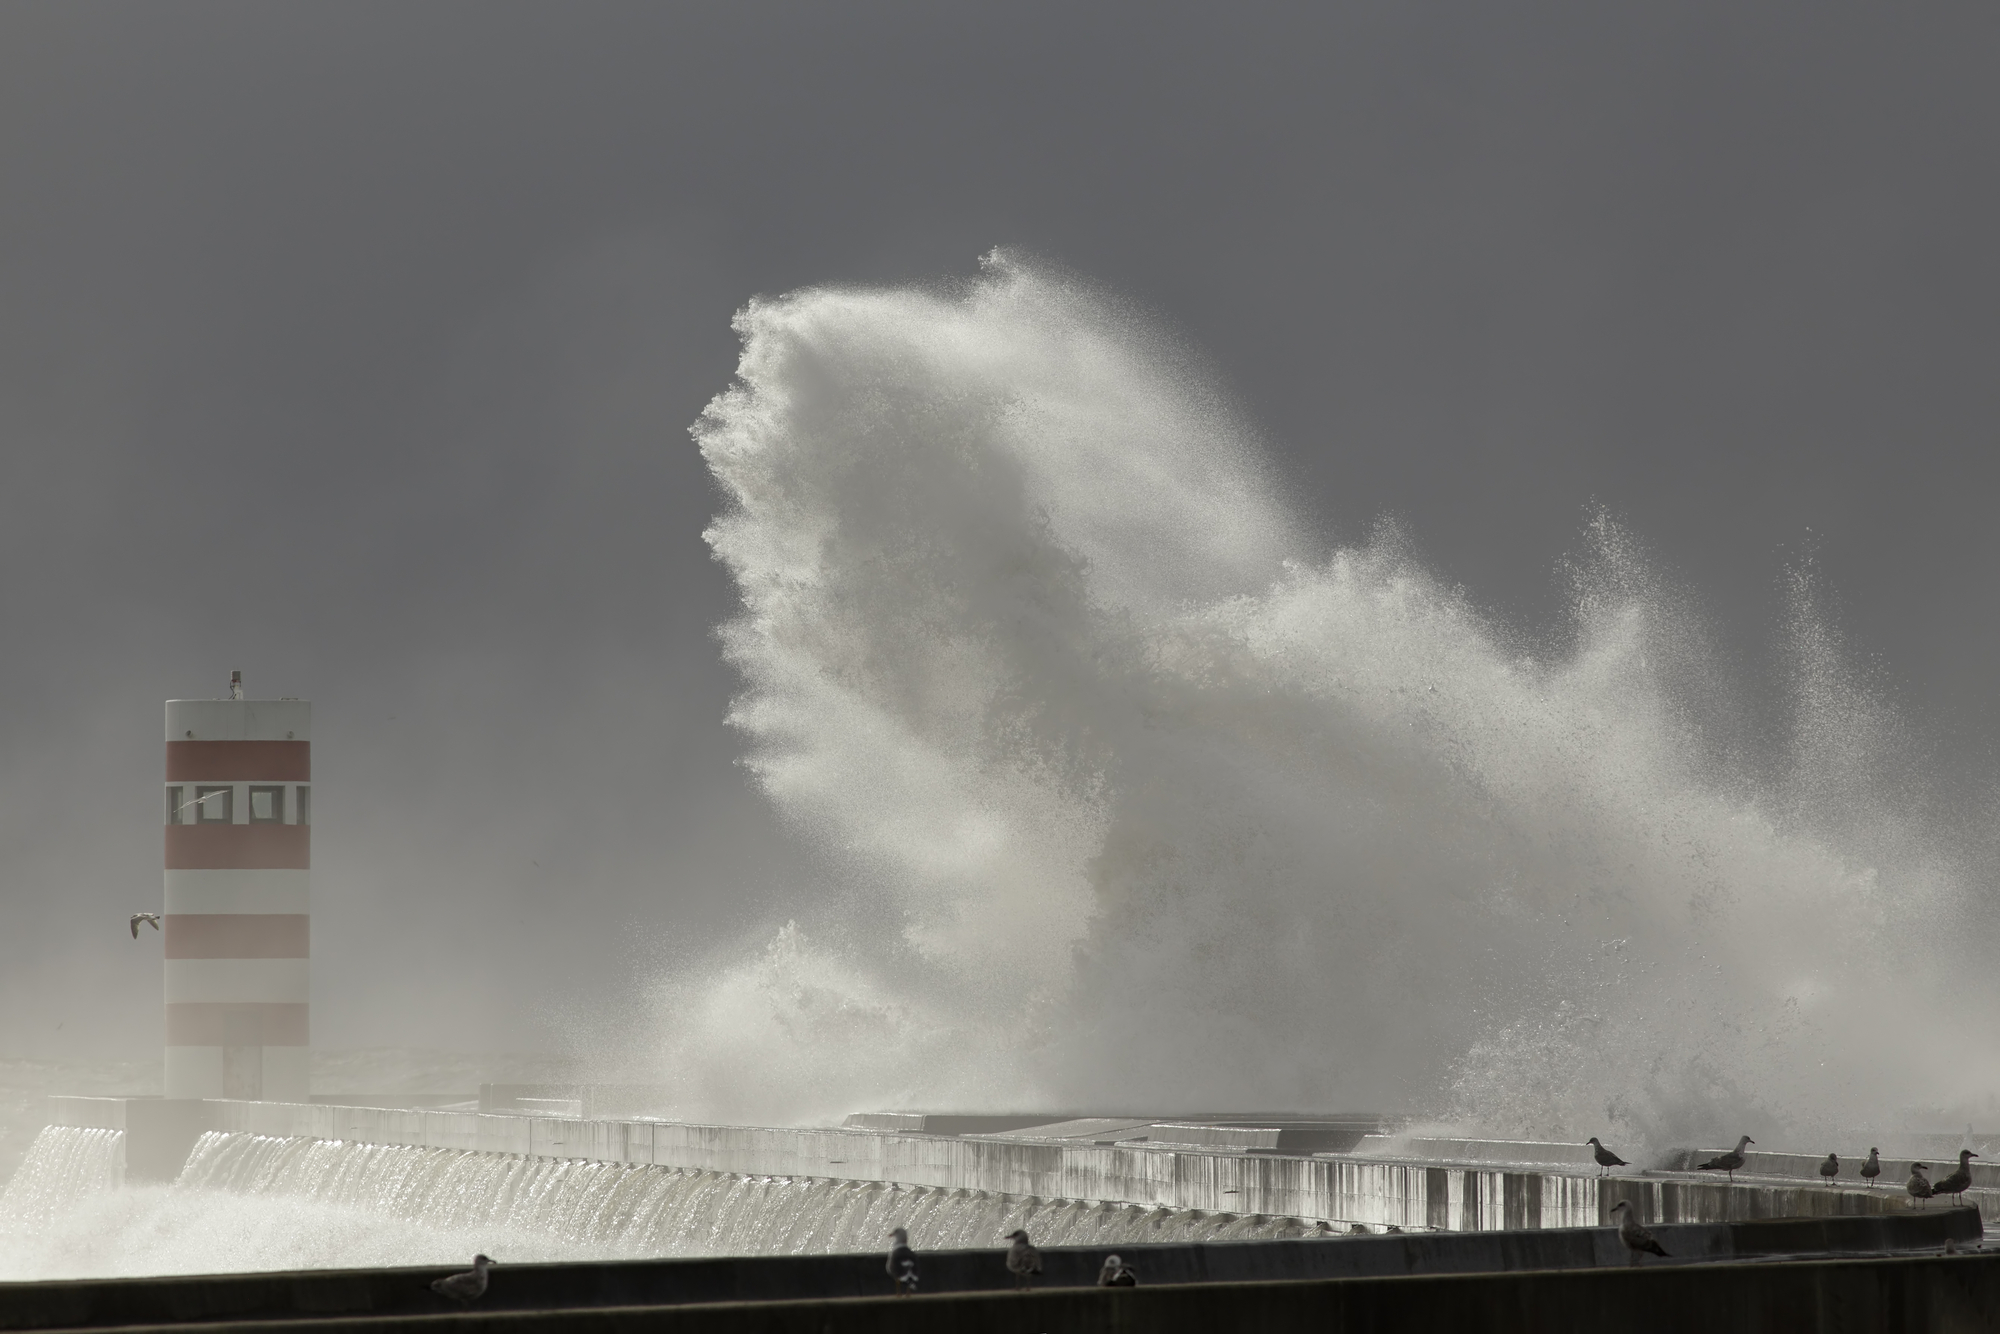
x=240, y=935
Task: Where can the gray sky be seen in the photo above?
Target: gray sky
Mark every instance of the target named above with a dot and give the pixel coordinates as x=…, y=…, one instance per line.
x=353, y=345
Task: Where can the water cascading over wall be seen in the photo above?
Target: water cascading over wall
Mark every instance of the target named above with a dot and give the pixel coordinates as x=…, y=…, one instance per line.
x=620, y=1209
x=64, y=1164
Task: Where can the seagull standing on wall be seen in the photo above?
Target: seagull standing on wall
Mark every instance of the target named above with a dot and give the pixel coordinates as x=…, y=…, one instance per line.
x=1635, y=1237
x=1727, y=1162
x=902, y=1264
x=1023, y=1260
x=151, y=918
x=1606, y=1160
x=1918, y=1185
x=467, y=1287
x=1872, y=1168
x=1958, y=1181
x=1831, y=1167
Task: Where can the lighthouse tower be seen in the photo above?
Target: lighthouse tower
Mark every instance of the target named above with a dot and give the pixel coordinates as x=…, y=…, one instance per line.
x=239, y=826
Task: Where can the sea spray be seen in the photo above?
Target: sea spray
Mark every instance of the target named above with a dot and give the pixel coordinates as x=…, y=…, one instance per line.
x=629, y=1209
x=249, y=1202
x=1142, y=798
x=63, y=1165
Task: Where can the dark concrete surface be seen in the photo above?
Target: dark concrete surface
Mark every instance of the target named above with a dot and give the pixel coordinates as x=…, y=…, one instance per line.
x=1903, y=1295
x=538, y=1289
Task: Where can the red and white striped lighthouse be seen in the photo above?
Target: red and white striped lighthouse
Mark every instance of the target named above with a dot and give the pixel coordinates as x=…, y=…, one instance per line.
x=239, y=827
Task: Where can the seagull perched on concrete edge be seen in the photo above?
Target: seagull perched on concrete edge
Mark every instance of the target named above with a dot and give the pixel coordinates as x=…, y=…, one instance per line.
x=138, y=917
x=1727, y=1162
x=1831, y=1167
x=1023, y=1260
x=466, y=1287
x=1956, y=1183
x=1116, y=1274
x=1918, y=1185
x=1606, y=1160
x=902, y=1264
x=1636, y=1238
x=1872, y=1168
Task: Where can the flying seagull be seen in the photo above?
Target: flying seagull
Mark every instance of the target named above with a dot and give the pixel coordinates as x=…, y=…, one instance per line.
x=1872, y=1168
x=1606, y=1160
x=138, y=917
x=466, y=1287
x=1919, y=1187
x=902, y=1264
x=1956, y=1183
x=1023, y=1260
x=1831, y=1167
x=1727, y=1162
x=1636, y=1238
x=1116, y=1274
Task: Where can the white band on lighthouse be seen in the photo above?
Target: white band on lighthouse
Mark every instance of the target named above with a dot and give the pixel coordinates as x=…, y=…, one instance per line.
x=237, y=924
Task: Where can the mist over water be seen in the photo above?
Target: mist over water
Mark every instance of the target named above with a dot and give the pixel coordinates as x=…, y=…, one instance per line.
x=1143, y=796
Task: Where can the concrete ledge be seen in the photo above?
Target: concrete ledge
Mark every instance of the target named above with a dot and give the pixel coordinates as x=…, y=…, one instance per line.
x=649, y=1283
x=1890, y=1296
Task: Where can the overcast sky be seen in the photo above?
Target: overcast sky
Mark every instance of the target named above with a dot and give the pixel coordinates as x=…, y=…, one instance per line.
x=353, y=345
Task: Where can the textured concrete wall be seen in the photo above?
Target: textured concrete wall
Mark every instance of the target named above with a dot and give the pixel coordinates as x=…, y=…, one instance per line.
x=1338, y=1188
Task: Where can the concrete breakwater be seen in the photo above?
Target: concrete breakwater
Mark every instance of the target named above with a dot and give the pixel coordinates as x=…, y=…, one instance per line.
x=1337, y=1189
x=642, y=1209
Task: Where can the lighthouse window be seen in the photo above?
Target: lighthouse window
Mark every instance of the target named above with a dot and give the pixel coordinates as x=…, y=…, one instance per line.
x=267, y=805
x=211, y=805
x=174, y=805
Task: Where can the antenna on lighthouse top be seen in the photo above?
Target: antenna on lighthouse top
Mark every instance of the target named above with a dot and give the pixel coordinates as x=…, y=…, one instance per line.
x=236, y=685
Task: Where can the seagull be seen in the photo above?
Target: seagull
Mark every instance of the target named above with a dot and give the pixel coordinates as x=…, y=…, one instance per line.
x=1956, y=1183
x=1023, y=1260
x=1872, y=1168
x=152, y=918
x=1919, y=1188
x=902, y=1264
x=1116, y=1274
x=1831, y=1167
x=1727, y=1162
x=1357, y=1229
x=1606, y=1160
x=466, y=1287
x=1636, y=1238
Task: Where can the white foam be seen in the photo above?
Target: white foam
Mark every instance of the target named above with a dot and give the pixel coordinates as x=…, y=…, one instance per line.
x=250, y=1202
x=1146, y=800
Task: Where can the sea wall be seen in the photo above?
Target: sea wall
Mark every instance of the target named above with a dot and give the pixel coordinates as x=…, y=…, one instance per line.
x=1340, y=1189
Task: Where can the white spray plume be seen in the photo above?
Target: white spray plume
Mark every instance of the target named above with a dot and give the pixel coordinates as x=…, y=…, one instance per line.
x=1152, y=805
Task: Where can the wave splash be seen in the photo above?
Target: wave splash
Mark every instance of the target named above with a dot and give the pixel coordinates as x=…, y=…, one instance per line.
x=1142, y=799
x=253, y=1202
